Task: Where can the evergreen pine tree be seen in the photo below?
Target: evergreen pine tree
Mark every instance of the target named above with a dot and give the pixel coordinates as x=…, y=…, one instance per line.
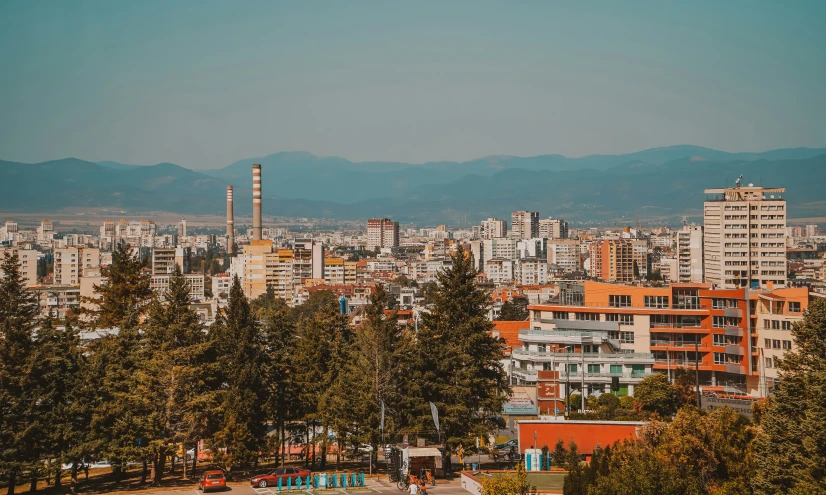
x=372, y=374
x=320, y=353
x=280, y=336
x=57, y=367
x=125, y=288
x=790, y=449
x=18, y=431
x=240, y=350
x=458, y=365
x=168, y=368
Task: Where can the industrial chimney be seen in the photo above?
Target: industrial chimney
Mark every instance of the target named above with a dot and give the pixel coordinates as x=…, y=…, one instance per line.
x=230, y=221
x=256, y=202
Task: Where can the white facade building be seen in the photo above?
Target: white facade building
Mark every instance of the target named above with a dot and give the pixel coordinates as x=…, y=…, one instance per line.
x=744, y=237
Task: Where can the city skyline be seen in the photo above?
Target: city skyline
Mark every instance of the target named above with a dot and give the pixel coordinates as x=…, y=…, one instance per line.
x=205, y=84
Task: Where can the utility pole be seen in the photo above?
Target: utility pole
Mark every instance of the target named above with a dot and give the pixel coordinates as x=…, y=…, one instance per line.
x=697, y=366
x=582, y=391
x=568, y=383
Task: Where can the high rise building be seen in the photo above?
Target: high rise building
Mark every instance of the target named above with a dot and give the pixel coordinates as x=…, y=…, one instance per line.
x=308, y=260
x=9, y=232
x=45, y=232
x=27, y=259
x=182, y=228
x=525, y=224
x=744, y=237
x=612, y=260
x=165, y=259
x=690, y=254
x=553, y=228
x=811, y=231
x=493, y=228
x=382, y=233
x=564, y=253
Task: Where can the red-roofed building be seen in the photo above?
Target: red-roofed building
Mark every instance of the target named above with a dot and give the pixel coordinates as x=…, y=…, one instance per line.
x=509, y=332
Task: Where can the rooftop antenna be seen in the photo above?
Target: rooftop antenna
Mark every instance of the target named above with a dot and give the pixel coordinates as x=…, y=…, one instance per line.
x=738, y=181
x=685, y=221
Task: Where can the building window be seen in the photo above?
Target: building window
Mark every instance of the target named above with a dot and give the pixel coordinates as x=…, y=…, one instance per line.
x=616, y=369
x=787, y=325
x=560, y=315
x=593, y=368
x=626, y=319
x=627, y=337
x=540, y=348
x=732, y=303
x=719, y=358
x=587, y=316
x=656, y=301
x=775, y=324
x=572, y=368
x=794, y=307
x=787, y=345
x=766, y=324
x=718, y=321
x=769, y=362
x=767, y=343
x=775, y=344
x=619, y=301
x=611, y=317
x=718, y=303
x=719, y=339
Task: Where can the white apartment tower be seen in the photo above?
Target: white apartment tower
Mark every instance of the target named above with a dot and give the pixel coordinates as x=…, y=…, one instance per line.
x=525, y=224
x=493, y=228
x=553, y=228
x=690, y=254
x=744, y=237
x=382, y=233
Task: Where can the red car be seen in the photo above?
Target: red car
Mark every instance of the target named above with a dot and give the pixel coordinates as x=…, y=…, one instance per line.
x=283, y=473
x=212, y=480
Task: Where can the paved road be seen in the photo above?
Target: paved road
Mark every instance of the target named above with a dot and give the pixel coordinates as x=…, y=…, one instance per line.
x=381, y=486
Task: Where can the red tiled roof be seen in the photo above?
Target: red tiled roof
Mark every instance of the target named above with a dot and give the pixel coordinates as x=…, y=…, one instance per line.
x=509, y=331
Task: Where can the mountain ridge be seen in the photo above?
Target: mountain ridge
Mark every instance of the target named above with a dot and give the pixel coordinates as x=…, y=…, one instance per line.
x=303, y=185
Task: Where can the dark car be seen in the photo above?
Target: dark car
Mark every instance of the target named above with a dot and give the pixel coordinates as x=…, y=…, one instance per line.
x=283, y=473
x=507, y=445
x=212, y=480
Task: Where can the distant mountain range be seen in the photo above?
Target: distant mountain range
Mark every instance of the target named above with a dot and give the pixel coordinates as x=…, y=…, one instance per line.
x=660, y=183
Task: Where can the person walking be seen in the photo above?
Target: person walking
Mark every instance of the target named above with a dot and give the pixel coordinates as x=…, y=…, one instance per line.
x=413, y=489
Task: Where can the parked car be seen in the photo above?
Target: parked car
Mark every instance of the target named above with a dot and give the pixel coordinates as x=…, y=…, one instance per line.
x=283, y=473
x=507, y=445
x=212, y=480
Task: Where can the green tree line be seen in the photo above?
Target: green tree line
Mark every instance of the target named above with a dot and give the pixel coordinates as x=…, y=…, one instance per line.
x=261, y=370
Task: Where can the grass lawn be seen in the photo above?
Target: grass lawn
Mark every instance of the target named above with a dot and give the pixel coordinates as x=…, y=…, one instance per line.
x=546, y=481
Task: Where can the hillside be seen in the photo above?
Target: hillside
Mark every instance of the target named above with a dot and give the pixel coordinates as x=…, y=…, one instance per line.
x=602, y=188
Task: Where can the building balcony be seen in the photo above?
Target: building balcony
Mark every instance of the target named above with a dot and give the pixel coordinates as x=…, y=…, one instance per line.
x=736, y=350
x=663, y=364
x=733, y=312
x=734, y=331
x=574, y=357
x=677, y=328
x=678, y=346
x=625, y=376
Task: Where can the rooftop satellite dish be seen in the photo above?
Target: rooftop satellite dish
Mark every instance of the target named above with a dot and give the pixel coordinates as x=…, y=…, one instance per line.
x=772, y=196
x=751, y=185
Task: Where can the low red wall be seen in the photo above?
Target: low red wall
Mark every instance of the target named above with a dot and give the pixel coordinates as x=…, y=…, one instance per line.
x=586, y=434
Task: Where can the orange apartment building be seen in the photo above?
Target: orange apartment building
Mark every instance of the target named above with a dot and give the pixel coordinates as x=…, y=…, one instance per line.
x=733, y=342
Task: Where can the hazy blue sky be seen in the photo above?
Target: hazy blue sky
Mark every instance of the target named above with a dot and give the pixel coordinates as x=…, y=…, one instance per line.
x=203, y=83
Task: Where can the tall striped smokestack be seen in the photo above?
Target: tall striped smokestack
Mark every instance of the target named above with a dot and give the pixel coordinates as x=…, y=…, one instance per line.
x=230, y=221
x=256, y=202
